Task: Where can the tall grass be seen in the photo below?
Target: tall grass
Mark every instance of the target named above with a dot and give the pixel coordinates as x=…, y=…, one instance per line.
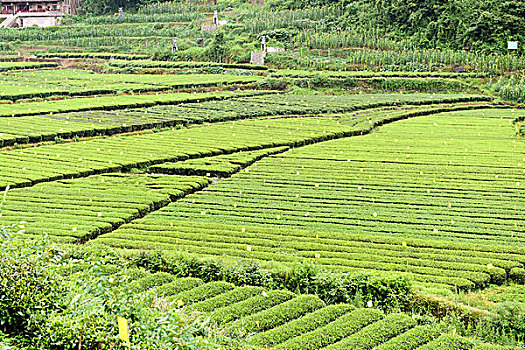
x=347, y=39
x=258, y=20
x=145, y=18
x=58, y=33
x=176, y=7
x=509, y=87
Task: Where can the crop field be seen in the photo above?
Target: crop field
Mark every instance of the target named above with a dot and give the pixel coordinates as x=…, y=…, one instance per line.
x=351, y=191
x=360, y=185
x=20, y=126
x=350, y=205
x=45, y=83
x=281, y=319
x=75, y=209
x=426, y=187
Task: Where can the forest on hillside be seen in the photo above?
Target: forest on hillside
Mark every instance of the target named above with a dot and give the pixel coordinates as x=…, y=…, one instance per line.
x=481, y=25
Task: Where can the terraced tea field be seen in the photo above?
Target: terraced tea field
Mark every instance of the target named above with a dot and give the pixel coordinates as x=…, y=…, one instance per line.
x=74, y=82
x=280, y=319
x=360, y=187
x=437, y=197
x=422, y=188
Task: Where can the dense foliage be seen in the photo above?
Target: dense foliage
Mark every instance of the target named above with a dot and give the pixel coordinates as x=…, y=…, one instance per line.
x=459, y=24
x=27, y=287
x=44, y=310
x=485, y=25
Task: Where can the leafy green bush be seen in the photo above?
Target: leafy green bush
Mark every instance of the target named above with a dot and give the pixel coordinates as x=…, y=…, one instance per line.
x=449, y=342
x=509, y=323
x=148, y=282
x=517, y=274
x=177, y=286
x=412, y=339
x=273, y=84
x=222, y=300
x=206, y=291
x=28, y=288
x=384, y=290
x=5, y=342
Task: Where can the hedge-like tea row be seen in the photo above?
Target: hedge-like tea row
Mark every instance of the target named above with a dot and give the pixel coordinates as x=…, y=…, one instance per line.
x=301, y=325
x=250, y=306
x=333, y=332
x=222, y=300
x=375, y=334
x=514, y=294
x=151, y=281
x=277, y=315
x=12, y=66
x=136, y=273
x=76, y=210
x=177, y=286
x=219, y=166
x=411, y=339
x=183, y=65
x=102, y=55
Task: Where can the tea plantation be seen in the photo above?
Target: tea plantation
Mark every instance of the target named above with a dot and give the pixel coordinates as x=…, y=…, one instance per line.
x=361, y=187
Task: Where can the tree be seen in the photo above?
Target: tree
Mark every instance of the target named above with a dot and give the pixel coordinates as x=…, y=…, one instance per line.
x=105, y=7
x=217, y=49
